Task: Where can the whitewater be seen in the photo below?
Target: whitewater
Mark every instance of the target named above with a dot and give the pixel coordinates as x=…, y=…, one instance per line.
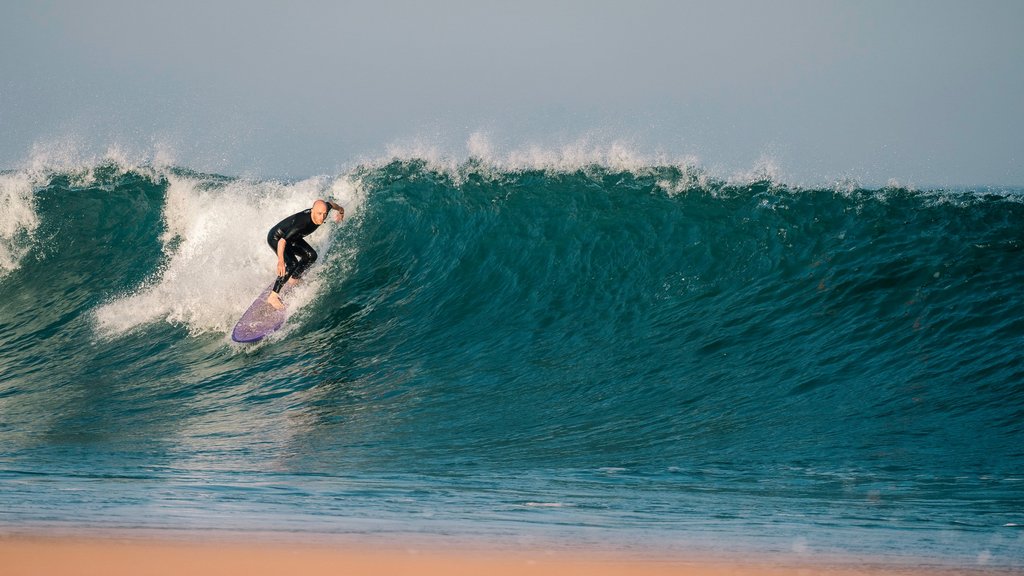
x=576, y=346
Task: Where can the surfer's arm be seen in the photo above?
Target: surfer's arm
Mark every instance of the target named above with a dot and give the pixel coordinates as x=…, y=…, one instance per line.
x=338, y=208
x=281, y=243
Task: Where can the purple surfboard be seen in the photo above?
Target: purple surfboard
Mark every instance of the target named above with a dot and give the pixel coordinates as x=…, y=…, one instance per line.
x=259, y=320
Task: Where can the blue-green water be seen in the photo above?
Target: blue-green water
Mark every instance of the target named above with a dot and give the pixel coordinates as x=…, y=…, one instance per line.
x=628, y=357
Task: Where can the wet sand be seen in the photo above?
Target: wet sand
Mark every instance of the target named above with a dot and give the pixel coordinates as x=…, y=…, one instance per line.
x=33, y=555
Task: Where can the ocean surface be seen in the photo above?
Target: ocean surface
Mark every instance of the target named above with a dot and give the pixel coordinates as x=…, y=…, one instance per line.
x=632, y=357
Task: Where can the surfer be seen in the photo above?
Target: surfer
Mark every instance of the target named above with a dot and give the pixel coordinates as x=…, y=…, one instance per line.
x=294, y=255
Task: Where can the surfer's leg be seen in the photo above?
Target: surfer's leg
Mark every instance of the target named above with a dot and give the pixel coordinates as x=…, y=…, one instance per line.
x=274, y=300
x=279, y=283
x=290, y=264
x=306, y=256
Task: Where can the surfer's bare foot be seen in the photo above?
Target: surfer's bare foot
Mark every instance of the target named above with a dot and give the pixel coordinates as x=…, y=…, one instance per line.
x=275, y=301
x=293, y=281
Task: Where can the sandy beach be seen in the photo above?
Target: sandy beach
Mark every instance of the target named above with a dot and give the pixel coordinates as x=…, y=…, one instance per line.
x=148, y=556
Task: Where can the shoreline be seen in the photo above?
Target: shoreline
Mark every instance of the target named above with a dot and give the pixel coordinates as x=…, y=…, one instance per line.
x=157, y=554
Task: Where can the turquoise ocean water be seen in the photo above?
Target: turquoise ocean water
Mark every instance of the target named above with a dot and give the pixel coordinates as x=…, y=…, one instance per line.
x=631, y=357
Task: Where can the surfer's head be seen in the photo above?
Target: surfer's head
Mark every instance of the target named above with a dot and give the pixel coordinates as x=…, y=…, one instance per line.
x=319, y=212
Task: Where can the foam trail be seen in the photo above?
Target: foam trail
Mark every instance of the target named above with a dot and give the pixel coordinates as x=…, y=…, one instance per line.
x=217, y=258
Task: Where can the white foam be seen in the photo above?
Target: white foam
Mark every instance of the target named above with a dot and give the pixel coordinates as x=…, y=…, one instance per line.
x=67, y=157
x=765, y=169
x=597, y=150
x=572, y=156
x=217, y=257
x=581, y=154
x=18, y=219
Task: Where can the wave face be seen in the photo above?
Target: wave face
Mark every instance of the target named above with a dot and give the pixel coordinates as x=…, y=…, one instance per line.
x=624, y=355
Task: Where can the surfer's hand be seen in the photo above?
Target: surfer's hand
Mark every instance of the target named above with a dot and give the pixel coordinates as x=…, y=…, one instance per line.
x=339, y=215
x=280, y=268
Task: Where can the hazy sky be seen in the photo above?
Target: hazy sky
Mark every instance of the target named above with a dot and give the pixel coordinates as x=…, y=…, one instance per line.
x=926, y=93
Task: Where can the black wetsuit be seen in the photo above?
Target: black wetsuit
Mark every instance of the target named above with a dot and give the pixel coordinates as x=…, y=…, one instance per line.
x=298, y=255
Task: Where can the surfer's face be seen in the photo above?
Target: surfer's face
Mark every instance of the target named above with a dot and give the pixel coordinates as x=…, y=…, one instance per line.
x=318, y=214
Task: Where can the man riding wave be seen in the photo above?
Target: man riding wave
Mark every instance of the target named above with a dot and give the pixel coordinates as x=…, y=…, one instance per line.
x=294, y=254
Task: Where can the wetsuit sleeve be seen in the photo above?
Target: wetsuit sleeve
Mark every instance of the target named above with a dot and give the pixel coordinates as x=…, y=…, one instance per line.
x=279, y=231
x=293, y=227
